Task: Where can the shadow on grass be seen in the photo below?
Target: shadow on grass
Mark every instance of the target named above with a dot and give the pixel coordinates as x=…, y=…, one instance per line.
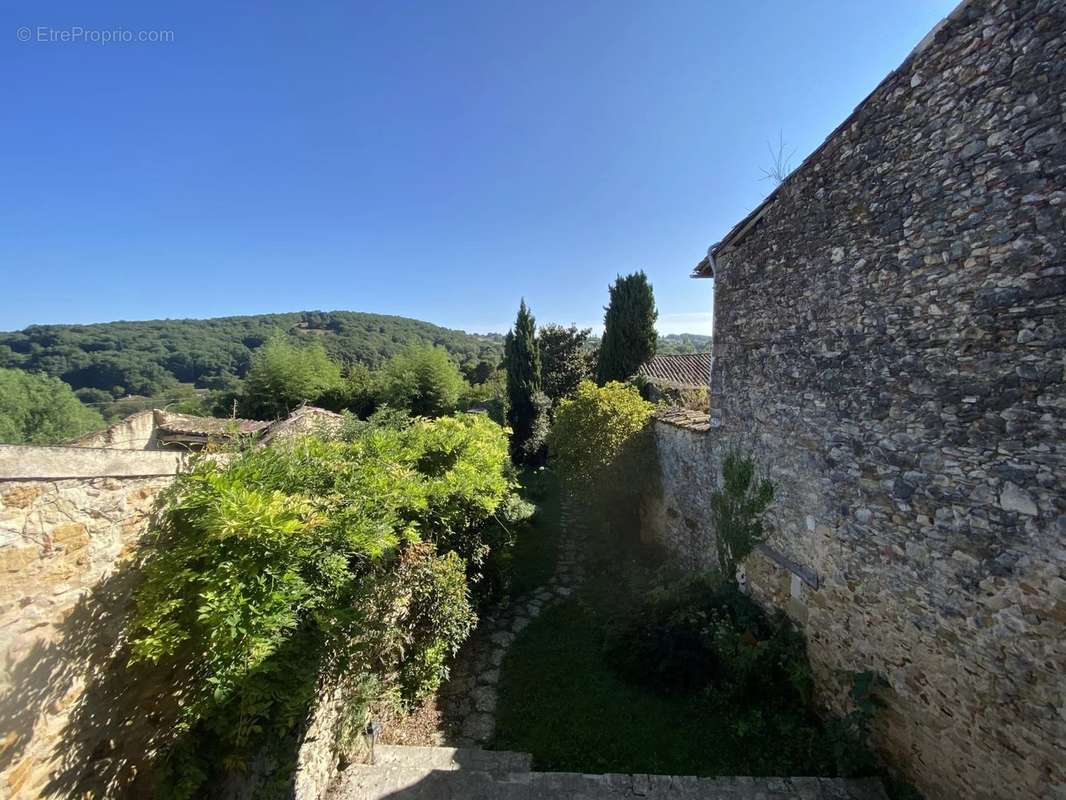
x=537, y=544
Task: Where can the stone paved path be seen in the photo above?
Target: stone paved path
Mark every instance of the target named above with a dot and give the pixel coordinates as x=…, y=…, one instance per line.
x=469, y=696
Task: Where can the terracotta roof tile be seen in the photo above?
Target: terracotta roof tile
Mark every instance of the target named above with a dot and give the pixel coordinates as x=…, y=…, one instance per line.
x=689, y=370
x=697, y=421
x=206, y=426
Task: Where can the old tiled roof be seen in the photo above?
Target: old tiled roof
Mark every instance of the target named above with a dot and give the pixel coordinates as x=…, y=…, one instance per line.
x=697, y=421
x=206, y=426
x=689, y=370
x=304, y=420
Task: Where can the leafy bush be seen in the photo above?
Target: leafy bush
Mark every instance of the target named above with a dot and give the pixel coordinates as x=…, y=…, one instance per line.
x=533, y=449
x=703, y=634
x=36, y=409
x=704, y=640
x=510, y=522
x=354, y=553
x=848, y=735
x=491, y=394
x=603, y=450
x=593, y=429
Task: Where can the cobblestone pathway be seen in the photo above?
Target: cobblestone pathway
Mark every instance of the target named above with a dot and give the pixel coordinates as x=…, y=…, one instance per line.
x=469, y=696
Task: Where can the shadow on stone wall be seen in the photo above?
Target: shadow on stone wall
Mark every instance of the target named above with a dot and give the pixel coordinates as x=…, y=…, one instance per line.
x=77, y=721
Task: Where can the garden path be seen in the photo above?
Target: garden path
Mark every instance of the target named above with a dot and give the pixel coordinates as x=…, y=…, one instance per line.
x=469, y=696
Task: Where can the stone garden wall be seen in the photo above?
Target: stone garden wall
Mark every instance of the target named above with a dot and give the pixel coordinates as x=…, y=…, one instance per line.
x=678, y=514
x=69, y=521
x=890, y=340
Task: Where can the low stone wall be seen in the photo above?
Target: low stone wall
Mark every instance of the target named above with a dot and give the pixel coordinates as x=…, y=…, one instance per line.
x=678, y=516
x=70, y=721
x=24, y=462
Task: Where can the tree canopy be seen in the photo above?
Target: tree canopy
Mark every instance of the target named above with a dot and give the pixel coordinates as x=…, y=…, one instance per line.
x=423, y=380
x=38, y=409
x=152, y=357
x=629, y=336
x=522, y=362
x=564, y=360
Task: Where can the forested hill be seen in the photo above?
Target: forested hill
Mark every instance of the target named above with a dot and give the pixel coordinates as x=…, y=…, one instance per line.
x=147, y=358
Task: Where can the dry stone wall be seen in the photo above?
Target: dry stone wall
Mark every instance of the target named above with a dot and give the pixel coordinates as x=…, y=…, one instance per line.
x=678, y=514
x=890, y=341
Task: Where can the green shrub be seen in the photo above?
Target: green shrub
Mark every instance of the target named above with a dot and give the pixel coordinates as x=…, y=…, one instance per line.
x=351, y=554
x=423, y=380
x=603, y=450
x=501, y=534
x=704, y=640
x=593, y=429
x=704, y=634
x=283, y=375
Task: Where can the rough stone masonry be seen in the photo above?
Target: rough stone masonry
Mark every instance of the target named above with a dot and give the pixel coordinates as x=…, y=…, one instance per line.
x=71, y=725
x=890, y=340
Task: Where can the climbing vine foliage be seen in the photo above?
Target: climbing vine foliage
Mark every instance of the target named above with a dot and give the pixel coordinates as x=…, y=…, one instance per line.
x=737, y=509
x=354, y=554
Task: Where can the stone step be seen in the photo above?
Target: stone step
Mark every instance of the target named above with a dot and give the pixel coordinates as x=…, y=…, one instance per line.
x=686, y=787
x=452, y=758
x=364, y=782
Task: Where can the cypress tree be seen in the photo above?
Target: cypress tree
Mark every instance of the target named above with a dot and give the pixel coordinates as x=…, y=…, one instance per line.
x=629, y=336
x=522, y=360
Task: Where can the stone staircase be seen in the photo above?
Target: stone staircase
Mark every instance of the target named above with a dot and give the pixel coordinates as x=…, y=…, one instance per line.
x=469, y=773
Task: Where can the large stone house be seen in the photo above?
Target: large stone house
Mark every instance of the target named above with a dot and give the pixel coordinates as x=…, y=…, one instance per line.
x=890, y=343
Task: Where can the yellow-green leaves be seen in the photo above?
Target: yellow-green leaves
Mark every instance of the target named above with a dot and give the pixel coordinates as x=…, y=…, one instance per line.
x=362, y=546
x=592, y=429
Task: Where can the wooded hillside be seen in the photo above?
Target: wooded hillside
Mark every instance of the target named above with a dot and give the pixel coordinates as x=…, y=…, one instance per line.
x=150, y=357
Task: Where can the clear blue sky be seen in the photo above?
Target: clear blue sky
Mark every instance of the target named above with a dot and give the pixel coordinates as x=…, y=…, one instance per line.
x=435, y=160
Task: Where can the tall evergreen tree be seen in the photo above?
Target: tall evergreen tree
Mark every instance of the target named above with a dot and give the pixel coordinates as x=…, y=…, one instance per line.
x=628, y=328
x=564, y=362
x=522, y=361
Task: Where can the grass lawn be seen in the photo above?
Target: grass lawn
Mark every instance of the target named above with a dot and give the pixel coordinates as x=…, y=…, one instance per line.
x=533, y=558
x=562, y=703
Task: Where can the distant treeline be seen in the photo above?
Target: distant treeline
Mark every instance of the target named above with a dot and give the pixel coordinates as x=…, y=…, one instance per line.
x=152, y=358
x=679, y=343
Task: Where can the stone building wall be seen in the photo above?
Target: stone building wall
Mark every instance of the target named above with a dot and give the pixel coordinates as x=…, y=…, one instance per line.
x=135, y=432
x=73, y=723
x=890, y=340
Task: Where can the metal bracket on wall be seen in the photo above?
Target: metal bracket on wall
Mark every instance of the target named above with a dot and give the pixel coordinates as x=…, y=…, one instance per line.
x=808, y=576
